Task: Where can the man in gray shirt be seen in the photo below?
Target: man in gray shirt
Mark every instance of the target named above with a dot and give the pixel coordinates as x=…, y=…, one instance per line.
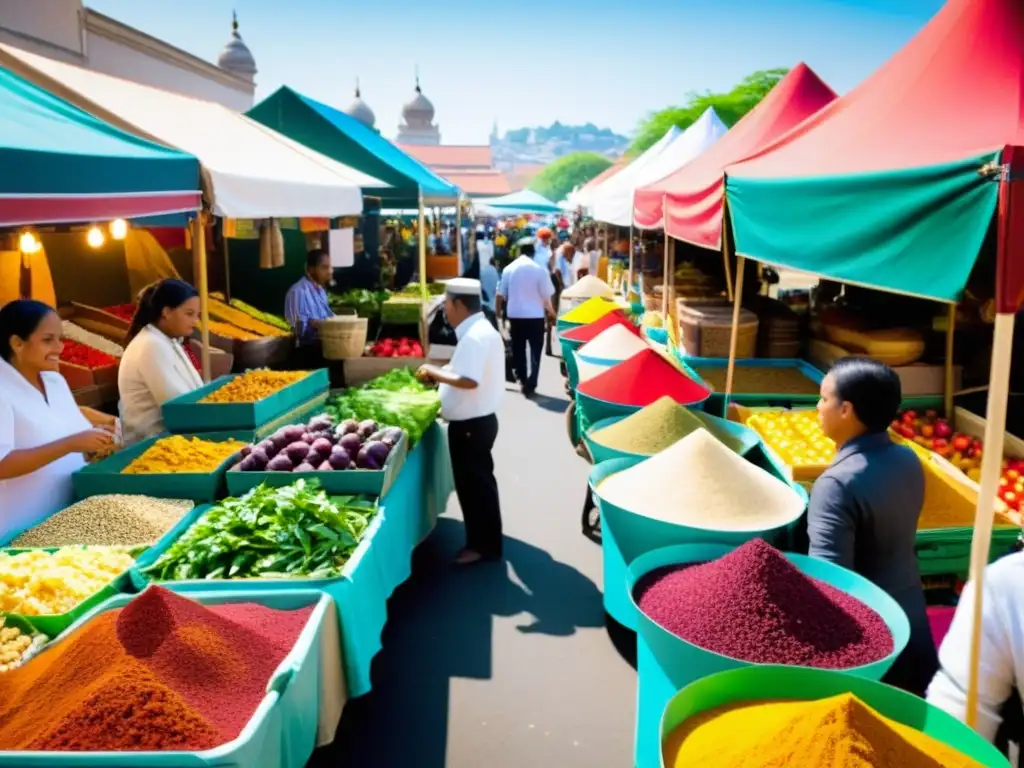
x=863, y=510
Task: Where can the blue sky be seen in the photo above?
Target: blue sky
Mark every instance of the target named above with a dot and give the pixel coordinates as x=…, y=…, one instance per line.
x=532, y=62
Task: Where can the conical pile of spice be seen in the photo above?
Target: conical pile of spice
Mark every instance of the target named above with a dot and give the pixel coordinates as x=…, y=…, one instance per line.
x=615, y=343
x=654, y=428
x=754, y=605
x=641, y=380
x=588, y=286
x=838, y=731
x=162, y=673
x=590, y=310
x=585, y=333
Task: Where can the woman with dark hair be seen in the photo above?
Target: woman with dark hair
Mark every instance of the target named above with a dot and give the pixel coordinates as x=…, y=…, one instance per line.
x=44, y=435
x=864, y=508
x=155, y=367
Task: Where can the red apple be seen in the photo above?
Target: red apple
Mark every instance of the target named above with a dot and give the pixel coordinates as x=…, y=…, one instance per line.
x=927, y=430
x=961, y=443
x=942, y=429
x=906, y=431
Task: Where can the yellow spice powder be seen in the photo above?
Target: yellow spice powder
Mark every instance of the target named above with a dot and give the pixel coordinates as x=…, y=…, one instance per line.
x=176, y=454
x=253, y=385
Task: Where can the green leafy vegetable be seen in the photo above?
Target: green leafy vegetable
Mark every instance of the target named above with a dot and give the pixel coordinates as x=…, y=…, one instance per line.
x=398, y=380
x=292, y=532
x=412, y=411
x=365, y=303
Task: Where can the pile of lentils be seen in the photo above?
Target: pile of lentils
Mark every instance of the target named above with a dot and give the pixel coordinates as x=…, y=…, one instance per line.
x=754, y=605
x=111, y=521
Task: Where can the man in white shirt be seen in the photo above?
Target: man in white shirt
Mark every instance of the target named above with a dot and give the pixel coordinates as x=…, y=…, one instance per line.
x=542, y=249
x=471, y=386
x=525, y=293
x=1002, y=648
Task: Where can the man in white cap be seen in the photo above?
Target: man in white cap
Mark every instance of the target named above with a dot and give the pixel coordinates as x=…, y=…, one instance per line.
x=471, y=386
x=524, y=294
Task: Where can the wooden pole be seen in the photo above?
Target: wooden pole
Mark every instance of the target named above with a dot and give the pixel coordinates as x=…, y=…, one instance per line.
x=421, y=227
x=199, y=257
x=725, y=254
x=227, y=266
x=670, y=259
x=950, y=335
x=458, y=232
x=734, y=337
x=991, y=468
x=630, y=273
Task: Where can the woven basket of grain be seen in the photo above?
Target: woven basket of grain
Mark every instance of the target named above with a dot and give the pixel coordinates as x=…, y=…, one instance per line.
x=343, y=336
x=706, y=332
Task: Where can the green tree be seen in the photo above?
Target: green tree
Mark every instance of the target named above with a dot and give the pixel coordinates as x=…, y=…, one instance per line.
x=558, y=179
x=730, y=107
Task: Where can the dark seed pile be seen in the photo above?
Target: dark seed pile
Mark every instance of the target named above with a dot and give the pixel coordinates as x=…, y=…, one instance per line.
x=756, y=606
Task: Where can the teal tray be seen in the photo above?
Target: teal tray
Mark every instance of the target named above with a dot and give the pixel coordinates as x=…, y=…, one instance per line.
x=281, y=733
x=106, y=476
x=375, y=482
x=942, y=551
x=186, y=415
x=716, y=404
x=53, y=624
x=780, y=682
x=297, y=415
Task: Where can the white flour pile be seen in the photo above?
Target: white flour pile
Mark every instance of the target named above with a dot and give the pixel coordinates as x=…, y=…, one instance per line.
x=614, y=343
x=587, y=287
x=698, y=482
x=587, y=370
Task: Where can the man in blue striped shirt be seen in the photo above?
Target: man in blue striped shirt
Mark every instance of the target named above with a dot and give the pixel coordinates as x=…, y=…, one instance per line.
x=305, y=304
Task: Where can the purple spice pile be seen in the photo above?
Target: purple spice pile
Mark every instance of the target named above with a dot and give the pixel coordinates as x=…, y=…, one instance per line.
x=754, y=605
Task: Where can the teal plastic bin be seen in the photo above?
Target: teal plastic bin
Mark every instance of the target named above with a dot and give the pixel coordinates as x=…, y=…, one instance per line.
x=282, y=732
x=572, y=368
x=666, y=663
x=569, y=348
x=626, y=536
x=186, y=415
x=789, y=683
x=716, y=404
x=947, y=551
x=106, y=476
x=745, y=436
x=300, y=414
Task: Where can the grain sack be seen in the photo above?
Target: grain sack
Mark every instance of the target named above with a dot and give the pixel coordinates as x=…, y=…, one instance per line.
x=615, y=343
x=698, y=482
x=587, y=287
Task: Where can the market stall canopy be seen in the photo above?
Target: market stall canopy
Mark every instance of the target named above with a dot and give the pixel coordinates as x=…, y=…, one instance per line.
x=883, y=186
x=524, y=201
x=60, y=164
x=579, y=197
x=688, y=203
x=612, y=202
x=343, y=138
x=248, y=170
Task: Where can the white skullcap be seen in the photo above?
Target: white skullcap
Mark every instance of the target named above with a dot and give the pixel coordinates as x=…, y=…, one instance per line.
x=463, y=286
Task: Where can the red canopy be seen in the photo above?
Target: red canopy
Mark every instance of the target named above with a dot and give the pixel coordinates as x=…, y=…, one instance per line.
x=688, y=203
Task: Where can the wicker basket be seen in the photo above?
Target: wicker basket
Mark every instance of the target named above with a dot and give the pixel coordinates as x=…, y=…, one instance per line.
x=343, y=336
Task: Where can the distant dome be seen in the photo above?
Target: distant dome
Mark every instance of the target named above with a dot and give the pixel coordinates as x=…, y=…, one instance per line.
x=361, y=111
x=236, y=56
x=418, y=111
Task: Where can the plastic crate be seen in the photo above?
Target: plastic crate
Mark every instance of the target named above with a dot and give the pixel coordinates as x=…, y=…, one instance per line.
x=107, y=476
x=186, y=415
x=805, y=473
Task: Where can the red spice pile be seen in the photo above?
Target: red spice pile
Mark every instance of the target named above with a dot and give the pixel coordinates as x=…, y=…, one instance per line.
x=642, y=379
x=163, y=673
x=123, y=311
x=590, y=331
x=87, y=357
x=754, y=605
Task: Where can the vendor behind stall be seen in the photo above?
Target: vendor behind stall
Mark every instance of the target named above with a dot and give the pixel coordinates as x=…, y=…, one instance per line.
x=305, y=304
x=155, y=366
x=44, y=435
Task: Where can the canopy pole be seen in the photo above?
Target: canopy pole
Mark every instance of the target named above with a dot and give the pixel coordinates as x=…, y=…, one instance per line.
x=458, y=231
x=725, y=250
x=421, y=226
x=227, y=266
x=950, y=334
x=734, y=336
x=670, y=258
x=991, y=468
x=199, y=258
x=630, y=273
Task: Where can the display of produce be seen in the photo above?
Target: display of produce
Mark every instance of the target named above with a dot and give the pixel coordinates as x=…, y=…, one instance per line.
x=253, y=385
x=162, y=673
x=656, y=427
x=795, y=436
x=76, y=333
x=40, y=583
x=85, y=356
x=267, y=317
x=320, y=446
x=178, y=453
x=123, y=311
x=413, y=289
x=229, y=331
x=365, y=303
x=402, y=310
x=590, y=310
x=223, y=312
x=400, y=347
x=699, y=482
x=837, y=731
x=395, y=397
x=614, y=343
x=17, y=646
x=754, y=605
x=759, y=380
x=107, y=520
x=269, y=533
x=948, y=503
x=590, y=331
x=641, y=380
x=894, y=346
x=931, y=431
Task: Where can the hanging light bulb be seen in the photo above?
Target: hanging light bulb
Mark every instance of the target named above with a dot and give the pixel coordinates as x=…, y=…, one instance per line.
x=29, y=243
x=95, y=237
x=119, y=229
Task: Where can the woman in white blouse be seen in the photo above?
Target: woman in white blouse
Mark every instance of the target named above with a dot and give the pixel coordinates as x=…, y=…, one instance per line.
x=155, y=367
x=44, y=435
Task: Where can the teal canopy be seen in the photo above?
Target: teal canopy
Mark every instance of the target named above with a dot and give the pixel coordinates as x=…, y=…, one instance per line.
x=343, y=138
x=60, y=164
x=524, y=201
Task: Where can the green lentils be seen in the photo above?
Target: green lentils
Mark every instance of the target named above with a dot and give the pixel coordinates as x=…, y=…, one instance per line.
x=654, y=428
x=111, y=521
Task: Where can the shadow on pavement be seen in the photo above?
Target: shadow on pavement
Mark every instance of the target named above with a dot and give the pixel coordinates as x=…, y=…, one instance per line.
x=548, y=403
x=439, y=628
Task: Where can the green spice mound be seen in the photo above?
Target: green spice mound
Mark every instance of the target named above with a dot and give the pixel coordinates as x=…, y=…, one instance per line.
x=654, y=428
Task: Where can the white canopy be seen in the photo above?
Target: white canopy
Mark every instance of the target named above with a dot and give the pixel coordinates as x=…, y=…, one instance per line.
x=613, y=200
x=586, y=197
x=249, y=171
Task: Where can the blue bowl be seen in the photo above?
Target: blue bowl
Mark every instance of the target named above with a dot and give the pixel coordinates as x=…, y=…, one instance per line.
x=666, y=663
